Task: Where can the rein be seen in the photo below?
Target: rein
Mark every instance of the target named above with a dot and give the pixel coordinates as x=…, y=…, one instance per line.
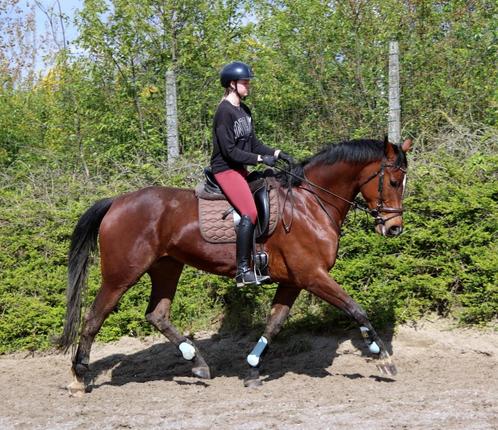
x=375, y=213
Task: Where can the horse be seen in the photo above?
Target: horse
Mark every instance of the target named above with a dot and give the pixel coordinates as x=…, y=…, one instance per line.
x=155, y=230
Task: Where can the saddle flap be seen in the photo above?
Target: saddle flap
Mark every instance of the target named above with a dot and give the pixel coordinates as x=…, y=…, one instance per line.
x=217, y=221
x=262, y=201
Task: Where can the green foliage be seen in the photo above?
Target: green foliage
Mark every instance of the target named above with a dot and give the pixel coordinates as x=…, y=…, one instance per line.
x=93, y=126
x=445, y=262
x=447, y=259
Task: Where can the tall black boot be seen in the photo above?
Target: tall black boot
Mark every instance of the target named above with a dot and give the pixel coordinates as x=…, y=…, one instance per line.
x=245, y=273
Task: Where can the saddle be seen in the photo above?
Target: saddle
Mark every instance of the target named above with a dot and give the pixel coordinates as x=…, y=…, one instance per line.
x=218, y=219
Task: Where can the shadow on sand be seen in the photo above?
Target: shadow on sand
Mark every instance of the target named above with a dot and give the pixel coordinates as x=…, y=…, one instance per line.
x=225, y=352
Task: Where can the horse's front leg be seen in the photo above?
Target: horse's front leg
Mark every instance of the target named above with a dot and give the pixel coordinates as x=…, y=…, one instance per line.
x=285, y=297
x=323, y=286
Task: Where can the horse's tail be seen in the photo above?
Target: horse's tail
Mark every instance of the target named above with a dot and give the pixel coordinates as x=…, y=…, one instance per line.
x=83, y=243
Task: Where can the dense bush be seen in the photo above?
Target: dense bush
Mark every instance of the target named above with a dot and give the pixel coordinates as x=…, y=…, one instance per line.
x=446, y=261
x=92, y=125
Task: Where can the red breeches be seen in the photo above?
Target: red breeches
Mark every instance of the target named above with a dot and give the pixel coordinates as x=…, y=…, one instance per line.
x=236, y=189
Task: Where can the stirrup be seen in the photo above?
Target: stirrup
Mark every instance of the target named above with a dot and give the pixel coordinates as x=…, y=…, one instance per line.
x=249, y=277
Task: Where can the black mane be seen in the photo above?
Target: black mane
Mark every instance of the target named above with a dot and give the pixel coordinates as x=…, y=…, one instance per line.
x=358, y=151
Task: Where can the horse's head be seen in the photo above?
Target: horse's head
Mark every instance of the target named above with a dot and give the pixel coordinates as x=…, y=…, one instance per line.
x=383, y=186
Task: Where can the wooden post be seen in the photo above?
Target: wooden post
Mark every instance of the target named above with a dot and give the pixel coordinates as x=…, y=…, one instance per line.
x=394, y=133
x=171, y=118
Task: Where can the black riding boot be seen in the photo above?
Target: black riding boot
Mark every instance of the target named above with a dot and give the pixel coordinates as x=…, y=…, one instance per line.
x=245, y=273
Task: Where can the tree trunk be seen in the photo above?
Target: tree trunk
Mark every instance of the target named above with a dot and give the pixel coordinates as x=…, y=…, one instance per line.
x=394, y=134
x=171, y=118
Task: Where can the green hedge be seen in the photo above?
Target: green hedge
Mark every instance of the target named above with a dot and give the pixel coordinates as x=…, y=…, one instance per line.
x=446, y=261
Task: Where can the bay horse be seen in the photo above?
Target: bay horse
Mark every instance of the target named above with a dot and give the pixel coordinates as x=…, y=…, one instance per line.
x=155, y=230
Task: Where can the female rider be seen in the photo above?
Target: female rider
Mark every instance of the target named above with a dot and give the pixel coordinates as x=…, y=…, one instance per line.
x=234, y=146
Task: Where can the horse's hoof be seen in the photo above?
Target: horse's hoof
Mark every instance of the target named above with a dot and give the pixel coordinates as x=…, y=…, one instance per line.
x=252, y=380
x=252, y=383
x=202, y=372
x=76, y=389
x=386, y=365
x=388, y=369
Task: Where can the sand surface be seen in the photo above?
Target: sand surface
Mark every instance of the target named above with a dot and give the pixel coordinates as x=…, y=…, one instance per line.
x=447, y=379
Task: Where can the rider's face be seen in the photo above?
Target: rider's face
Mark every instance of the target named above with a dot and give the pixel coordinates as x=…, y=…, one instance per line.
x=243, y=87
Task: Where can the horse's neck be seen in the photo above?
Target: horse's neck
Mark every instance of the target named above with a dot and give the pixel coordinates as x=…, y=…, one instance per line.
x=341, y=179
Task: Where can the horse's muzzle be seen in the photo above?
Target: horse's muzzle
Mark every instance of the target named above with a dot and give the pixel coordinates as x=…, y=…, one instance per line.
x=389, y=231
x=394, y=230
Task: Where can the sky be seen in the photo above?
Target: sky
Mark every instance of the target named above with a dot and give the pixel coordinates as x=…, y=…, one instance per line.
x=69, y=8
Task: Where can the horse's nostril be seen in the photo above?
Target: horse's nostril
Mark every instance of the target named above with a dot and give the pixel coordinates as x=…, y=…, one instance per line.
x=395, y=230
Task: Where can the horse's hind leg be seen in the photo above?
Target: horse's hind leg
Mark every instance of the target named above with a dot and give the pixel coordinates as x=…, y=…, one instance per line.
x=285, y=297
x=105, y=301
x=164, y=275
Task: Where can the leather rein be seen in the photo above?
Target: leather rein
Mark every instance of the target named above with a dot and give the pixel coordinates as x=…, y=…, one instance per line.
x=375, y=213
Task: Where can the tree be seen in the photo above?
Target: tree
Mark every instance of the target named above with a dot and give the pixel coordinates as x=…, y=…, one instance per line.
x=17, y=47
x=134, y=45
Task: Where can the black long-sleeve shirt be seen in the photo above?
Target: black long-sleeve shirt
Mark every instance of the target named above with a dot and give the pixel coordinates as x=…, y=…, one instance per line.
x=234, y=141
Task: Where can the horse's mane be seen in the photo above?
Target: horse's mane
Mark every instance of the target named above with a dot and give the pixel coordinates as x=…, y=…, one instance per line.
x=357, y=151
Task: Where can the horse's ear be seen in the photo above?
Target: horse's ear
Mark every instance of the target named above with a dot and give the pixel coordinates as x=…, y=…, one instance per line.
x=388, y=148
x=406, y=145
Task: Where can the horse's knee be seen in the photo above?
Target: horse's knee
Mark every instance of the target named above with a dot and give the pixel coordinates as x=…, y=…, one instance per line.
x=276, y=322
x=161, y=322
x=154, y=318
x=158, y=309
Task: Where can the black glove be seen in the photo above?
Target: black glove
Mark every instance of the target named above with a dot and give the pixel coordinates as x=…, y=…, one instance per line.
x=286, y=157
x=269, y=160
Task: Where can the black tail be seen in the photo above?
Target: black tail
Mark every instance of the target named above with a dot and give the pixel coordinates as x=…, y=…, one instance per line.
x=83, y=243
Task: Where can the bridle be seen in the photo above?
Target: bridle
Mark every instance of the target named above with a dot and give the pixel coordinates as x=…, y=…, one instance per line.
x=380, y=208
x=376, y=213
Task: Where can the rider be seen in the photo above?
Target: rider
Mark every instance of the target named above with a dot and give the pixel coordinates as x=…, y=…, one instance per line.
x=234, y=146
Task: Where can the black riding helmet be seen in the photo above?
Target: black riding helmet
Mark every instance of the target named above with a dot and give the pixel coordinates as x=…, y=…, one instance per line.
x=234, y=72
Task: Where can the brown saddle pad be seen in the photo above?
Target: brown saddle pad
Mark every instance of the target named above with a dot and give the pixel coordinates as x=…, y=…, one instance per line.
x=215, y=229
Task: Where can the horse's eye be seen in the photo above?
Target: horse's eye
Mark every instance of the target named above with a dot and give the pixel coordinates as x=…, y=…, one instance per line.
x=394, y=184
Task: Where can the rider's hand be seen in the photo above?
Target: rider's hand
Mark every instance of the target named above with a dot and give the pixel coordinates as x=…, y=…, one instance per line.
x=286, y=157
x=269, y=160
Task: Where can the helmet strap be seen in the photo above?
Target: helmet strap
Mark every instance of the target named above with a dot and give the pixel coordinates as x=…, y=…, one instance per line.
x=237, y=92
